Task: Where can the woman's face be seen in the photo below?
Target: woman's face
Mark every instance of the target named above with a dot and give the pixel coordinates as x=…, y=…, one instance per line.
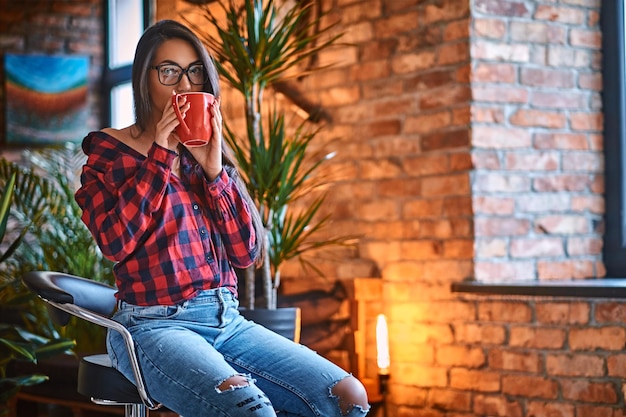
x=176, y=52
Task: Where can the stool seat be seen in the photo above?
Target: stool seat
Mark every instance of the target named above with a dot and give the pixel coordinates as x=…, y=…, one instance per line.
x=99, y=380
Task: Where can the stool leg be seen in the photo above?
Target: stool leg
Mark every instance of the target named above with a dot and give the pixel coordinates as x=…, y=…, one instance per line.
x=136, y=410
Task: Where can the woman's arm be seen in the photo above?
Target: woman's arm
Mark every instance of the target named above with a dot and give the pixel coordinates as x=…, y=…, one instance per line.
x=232, y=220
x=119, y=196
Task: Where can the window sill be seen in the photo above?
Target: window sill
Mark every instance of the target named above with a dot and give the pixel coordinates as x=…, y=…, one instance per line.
x=587, y=288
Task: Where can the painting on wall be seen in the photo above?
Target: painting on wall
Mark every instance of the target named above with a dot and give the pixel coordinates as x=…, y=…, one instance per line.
x=46, y=99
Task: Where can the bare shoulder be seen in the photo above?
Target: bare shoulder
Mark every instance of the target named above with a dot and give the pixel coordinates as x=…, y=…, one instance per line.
x=123, y=135
x=126, y=136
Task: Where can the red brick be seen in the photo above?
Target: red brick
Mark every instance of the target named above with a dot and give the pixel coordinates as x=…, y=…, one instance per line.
x=562, y=183
x=486, y=334
x=459, y=249
x=589, y=391
x=445, y=140
x=453, y=400
x=583, y=162
x=513, y=312
x=501, y=227
x=456, y=30
x=452, y=95
x=502, y=9
x=495, y=405
x=429, y=80
x=494, y=73
x=535, y=161
x=583, y=365
x=588, y=410
x=381, y=128
x=536, y=248
x=602, y=338
x=446, y=185
x=494, y=205
x=529, y=386
x=567, y=15
x=570, y=269
x=538, y=118
x=562, y=101
x=539, y=77
x=537, y=337
x=500, y=94
x=490, y=28
x=510, y=360
x=538, y=32
x=587, y=121
x=504, y=271
x=610, y=312
x=549, y=409
x=453, y=53
x=462, y=356
x=616, y=365
x=563, y=313
x=475, y=380
x=493, y=137
x=500, y=52
x=487, y=115
x=425, y=123
x=586, y=38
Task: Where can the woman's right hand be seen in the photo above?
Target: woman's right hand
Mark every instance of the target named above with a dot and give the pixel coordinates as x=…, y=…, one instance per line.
x=164, y=134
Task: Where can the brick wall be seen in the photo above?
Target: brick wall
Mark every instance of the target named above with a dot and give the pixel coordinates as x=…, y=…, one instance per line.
x=470, y=146
x=537, y=140
x=528, y=357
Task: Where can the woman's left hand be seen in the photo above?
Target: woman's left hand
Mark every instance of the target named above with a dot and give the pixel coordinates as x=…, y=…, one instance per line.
x=209, y=156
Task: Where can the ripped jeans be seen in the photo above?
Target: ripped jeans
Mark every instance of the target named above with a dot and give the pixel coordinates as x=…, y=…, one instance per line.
x=187, y=351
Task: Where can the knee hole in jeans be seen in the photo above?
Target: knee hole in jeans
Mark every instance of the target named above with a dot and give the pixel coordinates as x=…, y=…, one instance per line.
x=350, y=393
x=234, y=382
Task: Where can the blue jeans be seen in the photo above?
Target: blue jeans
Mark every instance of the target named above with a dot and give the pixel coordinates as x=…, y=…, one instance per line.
x=186, y=351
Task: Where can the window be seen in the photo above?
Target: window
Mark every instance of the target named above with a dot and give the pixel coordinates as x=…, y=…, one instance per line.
x=614, y=105
x=125, y=22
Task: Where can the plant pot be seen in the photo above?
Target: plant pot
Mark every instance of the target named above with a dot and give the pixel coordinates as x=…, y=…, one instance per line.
x=284, y=321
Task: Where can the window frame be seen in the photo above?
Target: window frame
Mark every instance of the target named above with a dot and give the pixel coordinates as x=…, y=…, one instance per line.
x=112, y=78
x=614, y=103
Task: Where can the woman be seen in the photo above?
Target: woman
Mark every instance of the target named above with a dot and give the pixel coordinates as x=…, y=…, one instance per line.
x=177, y=220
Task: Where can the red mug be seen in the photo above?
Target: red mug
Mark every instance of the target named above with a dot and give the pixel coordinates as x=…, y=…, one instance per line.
x=195, y=128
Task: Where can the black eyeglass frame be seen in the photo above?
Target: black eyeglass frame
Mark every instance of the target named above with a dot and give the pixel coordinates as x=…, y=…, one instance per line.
x=183, y=71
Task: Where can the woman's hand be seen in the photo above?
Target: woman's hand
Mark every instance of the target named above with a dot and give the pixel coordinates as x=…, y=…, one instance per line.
x=209, y=156
x=164, y=134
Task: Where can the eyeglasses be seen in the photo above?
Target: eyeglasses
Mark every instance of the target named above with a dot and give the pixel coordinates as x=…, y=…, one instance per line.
x=171, y=74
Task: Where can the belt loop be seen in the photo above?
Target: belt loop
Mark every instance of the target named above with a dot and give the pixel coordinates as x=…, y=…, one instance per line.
x=220, y=297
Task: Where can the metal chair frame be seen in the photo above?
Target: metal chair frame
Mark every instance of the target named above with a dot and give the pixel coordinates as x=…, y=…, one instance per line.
x=43, y=284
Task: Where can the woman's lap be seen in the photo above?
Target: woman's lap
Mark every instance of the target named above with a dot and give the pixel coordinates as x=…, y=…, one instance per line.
x=187, y=351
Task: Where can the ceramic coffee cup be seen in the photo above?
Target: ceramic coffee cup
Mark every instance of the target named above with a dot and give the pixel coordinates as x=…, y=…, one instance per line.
x=195, y=127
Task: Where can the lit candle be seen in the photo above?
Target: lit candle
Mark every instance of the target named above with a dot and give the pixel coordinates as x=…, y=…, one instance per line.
x=382, y=345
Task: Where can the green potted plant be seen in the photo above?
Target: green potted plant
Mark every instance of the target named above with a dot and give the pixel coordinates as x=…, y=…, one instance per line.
x=62, y=242
x=25, y=336
x=257, y=46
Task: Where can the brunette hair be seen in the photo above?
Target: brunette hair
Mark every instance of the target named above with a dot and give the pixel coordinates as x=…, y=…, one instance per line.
x=150, y=41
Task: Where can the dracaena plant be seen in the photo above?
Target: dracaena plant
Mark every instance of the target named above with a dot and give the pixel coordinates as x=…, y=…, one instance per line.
x=258, y=45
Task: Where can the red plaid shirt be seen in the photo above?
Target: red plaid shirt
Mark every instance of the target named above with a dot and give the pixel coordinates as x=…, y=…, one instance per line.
x=171, y=237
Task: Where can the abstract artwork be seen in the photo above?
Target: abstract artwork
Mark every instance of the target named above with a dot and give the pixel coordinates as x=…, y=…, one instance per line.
x=46, y=99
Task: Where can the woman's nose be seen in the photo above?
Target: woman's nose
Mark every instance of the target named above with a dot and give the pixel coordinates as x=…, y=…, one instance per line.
x=184, y=85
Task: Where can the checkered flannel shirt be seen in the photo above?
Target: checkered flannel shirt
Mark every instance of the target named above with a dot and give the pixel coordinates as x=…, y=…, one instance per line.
x=170, y=237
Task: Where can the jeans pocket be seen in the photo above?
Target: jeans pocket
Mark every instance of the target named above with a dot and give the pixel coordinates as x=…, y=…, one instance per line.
x=130, y=316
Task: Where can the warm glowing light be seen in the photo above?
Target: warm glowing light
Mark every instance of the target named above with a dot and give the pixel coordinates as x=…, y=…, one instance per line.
x=382, y=345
